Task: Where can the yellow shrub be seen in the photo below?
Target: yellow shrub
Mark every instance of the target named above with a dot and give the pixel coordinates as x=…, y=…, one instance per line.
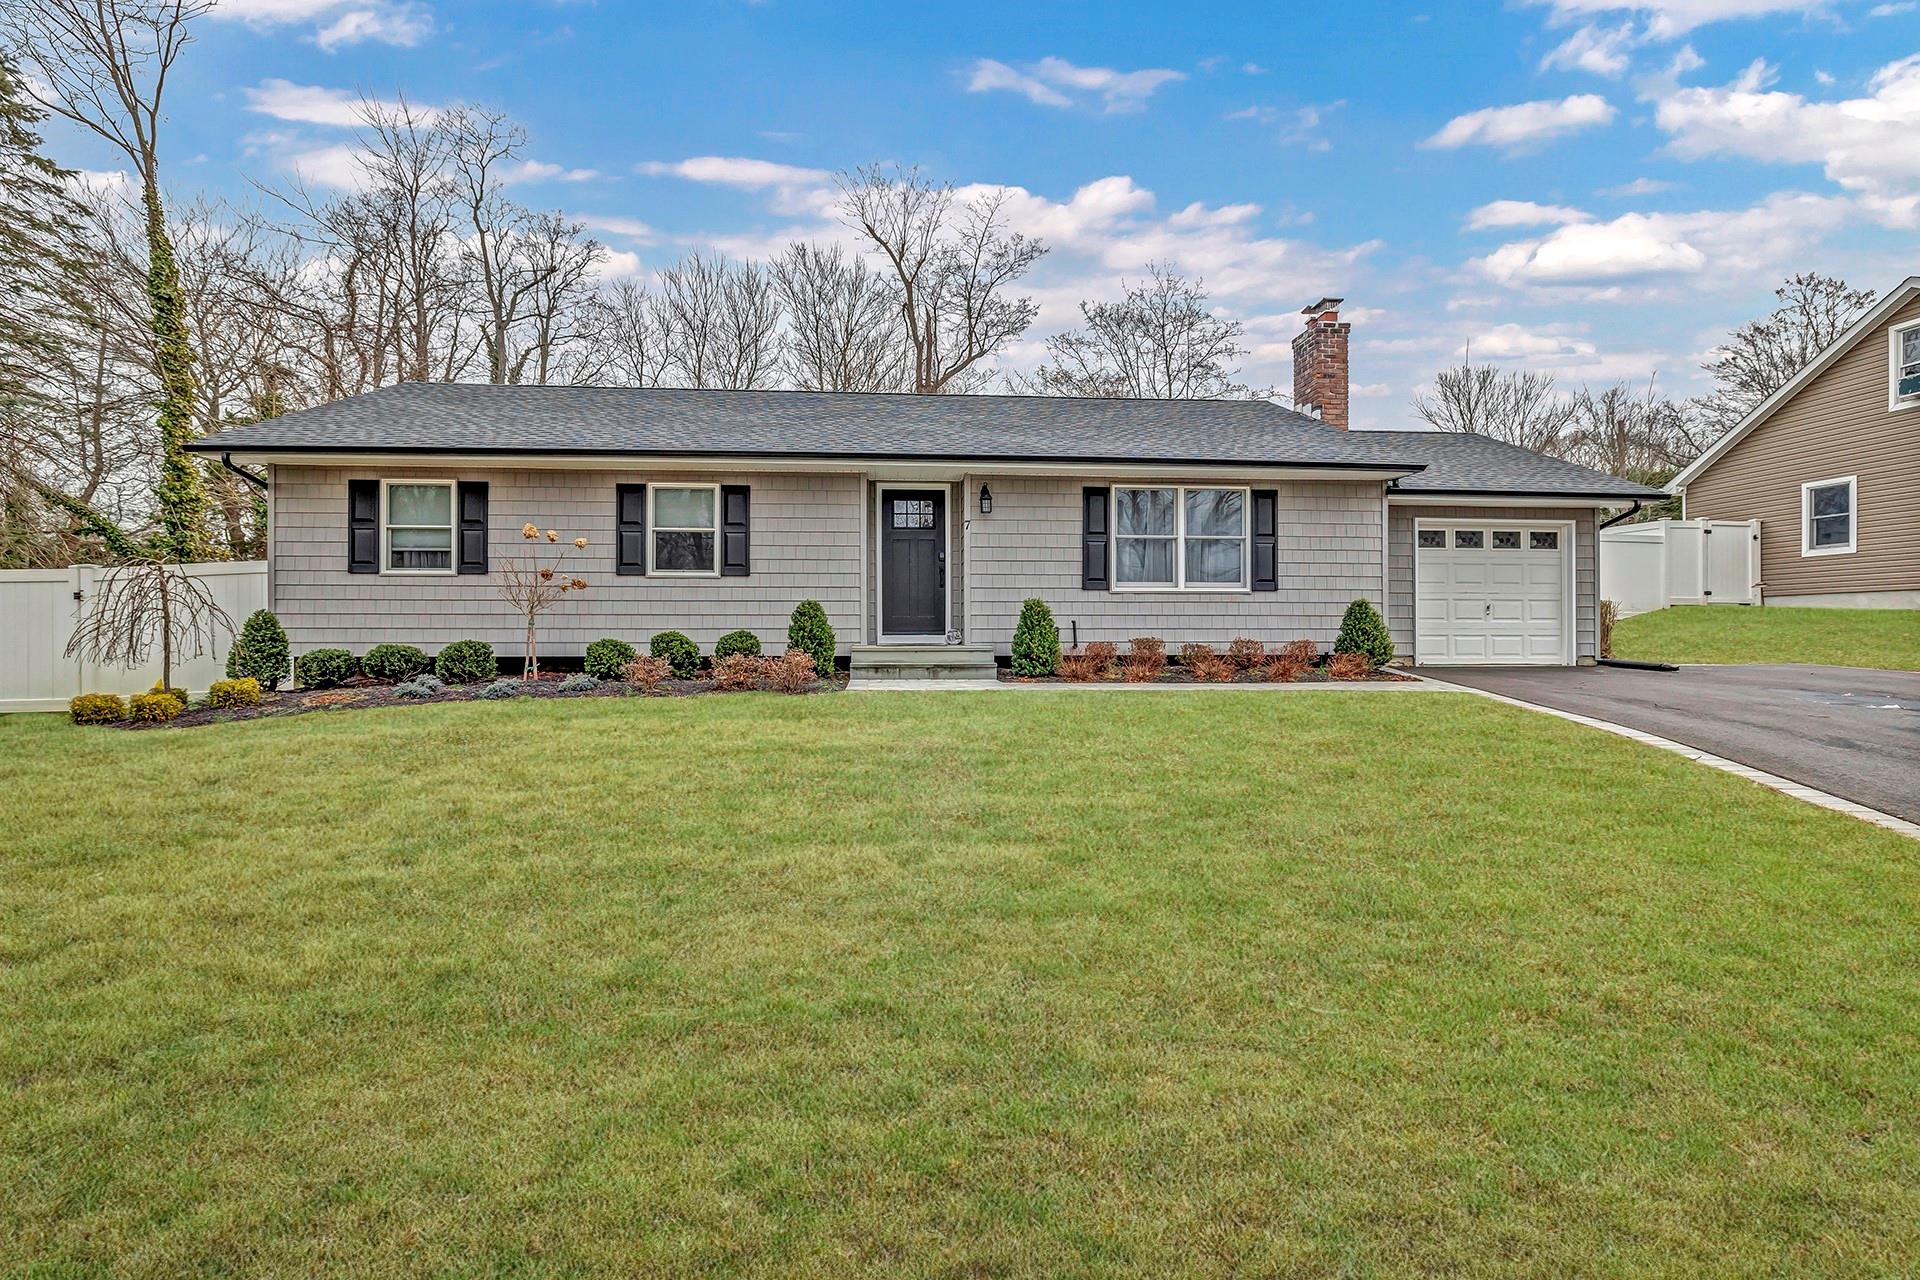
x=244, y=692
x=153, y=708
x=97, y=708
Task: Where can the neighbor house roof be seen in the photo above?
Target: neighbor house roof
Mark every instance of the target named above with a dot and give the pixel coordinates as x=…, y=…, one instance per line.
x=469, y=419
x=1895, y=298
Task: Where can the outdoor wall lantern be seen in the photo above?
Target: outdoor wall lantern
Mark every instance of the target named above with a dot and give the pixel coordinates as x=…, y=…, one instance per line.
x=986, y=501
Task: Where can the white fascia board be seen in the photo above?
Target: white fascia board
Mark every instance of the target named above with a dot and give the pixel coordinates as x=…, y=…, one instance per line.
x=1896, y=298
x=1501, y=500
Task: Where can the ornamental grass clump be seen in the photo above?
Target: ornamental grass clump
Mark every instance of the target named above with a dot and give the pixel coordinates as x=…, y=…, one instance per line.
x=1204, y=664
x=677, y=651
x=1362, y=631
x=1036, y=640
x=1094, y=662
x=1246, y=653
x=1146, y=659
x=607, y=658
x=97, y=708
x=1349, y=666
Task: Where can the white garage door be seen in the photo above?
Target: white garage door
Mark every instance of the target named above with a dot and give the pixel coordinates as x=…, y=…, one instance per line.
x=1493, y=592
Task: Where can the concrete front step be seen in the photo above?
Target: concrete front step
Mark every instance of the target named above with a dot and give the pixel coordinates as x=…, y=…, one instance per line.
x=922, y=662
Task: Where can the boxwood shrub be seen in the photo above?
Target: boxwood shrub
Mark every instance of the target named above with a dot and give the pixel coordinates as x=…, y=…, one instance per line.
x=394, y=662
x=465, y=661
x=260, y=651
x=324, y=668
x=677, y=651
x=1036, y=640
x=607, y=658
x=812, y=634
x=1362, y=631
x=741, y=642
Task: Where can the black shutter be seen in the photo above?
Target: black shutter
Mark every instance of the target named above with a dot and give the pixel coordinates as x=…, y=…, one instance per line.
x=1094, y=508
x=363, y=526
x=630, y=529
x=1266, y=539
x=473, y=526
x=735, y=530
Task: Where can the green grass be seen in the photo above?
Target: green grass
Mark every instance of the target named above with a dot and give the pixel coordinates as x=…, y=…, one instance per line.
x=1886, y=638
x=1051, y=984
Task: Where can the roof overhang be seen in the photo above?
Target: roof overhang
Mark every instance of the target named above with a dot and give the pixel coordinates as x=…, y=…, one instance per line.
x=1875, y=315
x=1467, y=498
x=908, y=467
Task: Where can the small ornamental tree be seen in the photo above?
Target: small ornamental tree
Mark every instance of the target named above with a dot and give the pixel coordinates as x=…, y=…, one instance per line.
x=812, y=634
x=1036, y=640
x=1362, y=631
x=261, y=653
x=535, y=584
x=145, y=603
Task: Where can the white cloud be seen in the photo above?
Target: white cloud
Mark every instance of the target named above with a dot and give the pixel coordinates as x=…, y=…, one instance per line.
x=797, y=190
x=336, y=22
x=314, y=104
x=1299, y=126
x=1523, y=213
x=540, y=171
x=1869, y=146
x=341, y=166
x=1892, y=10
x=1666, y=19
x=1517, y=342
x=617, y=225
x=619, y=264
x=1600, y=50
x=1638, y=187
x=1055, y=82
x=1524, y=123
x=1651, y=250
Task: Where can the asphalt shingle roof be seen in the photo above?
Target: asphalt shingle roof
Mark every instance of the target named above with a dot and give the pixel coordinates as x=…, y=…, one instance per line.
x=1461, y=463
x=433, y=418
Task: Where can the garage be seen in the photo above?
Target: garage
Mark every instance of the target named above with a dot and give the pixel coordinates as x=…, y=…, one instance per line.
x=1493, y=592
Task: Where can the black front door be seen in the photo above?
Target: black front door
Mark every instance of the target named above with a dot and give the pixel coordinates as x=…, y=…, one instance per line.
x=913, y=562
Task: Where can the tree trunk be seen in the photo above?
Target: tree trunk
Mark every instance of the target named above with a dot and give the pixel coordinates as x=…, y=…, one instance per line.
x=166, y=634
x=181, y=499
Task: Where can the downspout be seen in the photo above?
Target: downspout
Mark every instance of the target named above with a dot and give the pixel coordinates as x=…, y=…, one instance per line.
x=1628, y=514
x=1630, y=663
x=226, y=460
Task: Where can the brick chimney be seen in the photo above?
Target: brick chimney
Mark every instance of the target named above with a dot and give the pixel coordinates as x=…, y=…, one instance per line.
x=1320, y=363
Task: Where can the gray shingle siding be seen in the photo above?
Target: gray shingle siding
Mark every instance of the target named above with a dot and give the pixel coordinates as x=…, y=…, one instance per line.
x=806, y=543
x=1329, y=543
x=1400, y=518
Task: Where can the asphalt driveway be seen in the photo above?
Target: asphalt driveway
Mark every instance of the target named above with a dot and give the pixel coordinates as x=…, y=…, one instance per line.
x=1851, y=732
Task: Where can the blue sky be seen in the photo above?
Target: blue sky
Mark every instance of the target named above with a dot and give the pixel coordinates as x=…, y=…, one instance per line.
x=1593, y=189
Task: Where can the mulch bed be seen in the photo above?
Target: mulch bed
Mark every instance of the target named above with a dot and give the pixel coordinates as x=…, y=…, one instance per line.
x=361, y=694
x=1178, y=675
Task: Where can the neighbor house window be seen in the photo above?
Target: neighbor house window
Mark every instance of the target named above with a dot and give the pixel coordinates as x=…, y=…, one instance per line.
x=1827, y=516
x=1180, y=539
x=685, y=536
x=417, y=526
x=1905, y=374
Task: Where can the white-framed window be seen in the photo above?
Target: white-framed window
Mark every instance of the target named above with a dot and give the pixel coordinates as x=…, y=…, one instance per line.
x=416, y=526
x=1827, y=516
x=685, y=524
x=1176, y=538
x=1903, y=373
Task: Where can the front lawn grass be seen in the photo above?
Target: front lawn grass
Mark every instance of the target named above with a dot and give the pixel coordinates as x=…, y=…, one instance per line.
x=1044, y=984
x=1884, y=638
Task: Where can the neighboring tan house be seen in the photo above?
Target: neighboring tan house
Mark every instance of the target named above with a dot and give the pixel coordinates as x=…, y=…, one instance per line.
x=922, y=521
x=1830, y=467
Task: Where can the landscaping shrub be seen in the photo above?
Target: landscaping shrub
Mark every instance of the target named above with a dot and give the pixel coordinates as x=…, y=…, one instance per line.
x=736, y=642
x=465, y=661
x=1036, y=640
x=1284, y=670
x=1094, y=662
x=1609, y=614
x=1301, y=653
x=793, y=673
x=737, y=672
x=395, y=662
x=648, y=673
x=1146, y=659
x=811, y=633
x=1246, y=653
x=260, y=650
x=244, y=692
x=607, y=658
x=677, y=651
x=500, y=689
x=1204, y=663
x=154, y=708
x=97, y=708
x=1349, y=666
x=582, y=683
x=324, y=668
x=1362, y=631
x=425, y=686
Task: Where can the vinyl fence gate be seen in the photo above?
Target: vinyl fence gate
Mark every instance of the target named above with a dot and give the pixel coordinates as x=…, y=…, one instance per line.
x=1666, y=562
x=39, y=609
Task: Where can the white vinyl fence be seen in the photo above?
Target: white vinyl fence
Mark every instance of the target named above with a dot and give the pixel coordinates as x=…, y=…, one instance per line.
x=40, y=607
x=1649, y=566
